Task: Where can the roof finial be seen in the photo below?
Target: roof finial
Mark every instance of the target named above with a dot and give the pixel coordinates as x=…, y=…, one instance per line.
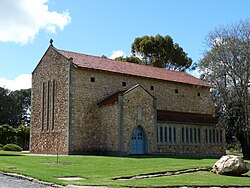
x=51, y=42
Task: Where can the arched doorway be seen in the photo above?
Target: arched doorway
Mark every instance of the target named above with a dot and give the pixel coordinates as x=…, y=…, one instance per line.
x=138, y=141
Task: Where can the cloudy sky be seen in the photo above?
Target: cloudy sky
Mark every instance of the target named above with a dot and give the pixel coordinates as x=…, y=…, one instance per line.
x=99, y=27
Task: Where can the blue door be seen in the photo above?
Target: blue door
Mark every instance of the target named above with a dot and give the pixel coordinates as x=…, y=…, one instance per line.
x=138, y=141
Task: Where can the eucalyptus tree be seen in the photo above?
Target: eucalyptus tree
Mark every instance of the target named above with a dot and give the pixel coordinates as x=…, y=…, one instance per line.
x=158, y=51
x=226, y=65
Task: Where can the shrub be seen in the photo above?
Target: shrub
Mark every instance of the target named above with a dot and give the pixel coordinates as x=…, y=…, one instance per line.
x=1, y=146
x=12, y=147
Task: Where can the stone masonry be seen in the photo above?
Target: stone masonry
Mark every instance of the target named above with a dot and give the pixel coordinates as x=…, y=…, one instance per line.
x=70, y=117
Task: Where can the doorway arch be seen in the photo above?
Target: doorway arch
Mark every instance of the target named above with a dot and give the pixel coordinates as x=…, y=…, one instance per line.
x=138, y=141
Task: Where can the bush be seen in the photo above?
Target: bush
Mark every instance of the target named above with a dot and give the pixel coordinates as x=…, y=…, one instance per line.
x=12, y=147
x=1, y=146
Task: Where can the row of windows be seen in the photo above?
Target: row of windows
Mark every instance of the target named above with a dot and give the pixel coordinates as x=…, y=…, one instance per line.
x=213, y=136
x=190, y=135
x=152, y=88
x=166, y=134
x=48, y=105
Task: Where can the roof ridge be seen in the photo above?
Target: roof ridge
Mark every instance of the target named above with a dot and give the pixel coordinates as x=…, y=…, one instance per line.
x=158, y=68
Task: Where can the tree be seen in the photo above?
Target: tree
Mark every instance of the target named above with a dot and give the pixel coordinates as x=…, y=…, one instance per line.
x=7, y=134
x=161, y=52
x=131, y=59
x=22, y=136
x=22, y=107
x=226, y=64
x=15, y=107
x=6, y=104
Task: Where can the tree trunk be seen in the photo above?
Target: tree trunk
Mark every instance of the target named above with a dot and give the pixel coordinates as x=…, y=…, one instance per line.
x=244, y=139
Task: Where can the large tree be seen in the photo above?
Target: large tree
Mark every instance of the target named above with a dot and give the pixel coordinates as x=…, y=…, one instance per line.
x=226, y=64
x=158, y=51
x=161, y=52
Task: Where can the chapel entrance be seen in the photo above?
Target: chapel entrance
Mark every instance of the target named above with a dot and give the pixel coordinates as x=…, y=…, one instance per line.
x=138, y=142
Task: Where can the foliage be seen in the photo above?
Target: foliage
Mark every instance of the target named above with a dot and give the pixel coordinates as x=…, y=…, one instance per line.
x=7, y=134
x=226, y=64
x=19, y=135
x=131, y=59
x=15, y=107
x=6, y=105
x=22, y=136
x=161, y=52
x=100, y=170
x=12, y=147
x=22, y=99
x=1, y=146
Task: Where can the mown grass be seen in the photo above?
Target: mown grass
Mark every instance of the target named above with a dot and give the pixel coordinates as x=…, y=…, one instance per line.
x=100, y=170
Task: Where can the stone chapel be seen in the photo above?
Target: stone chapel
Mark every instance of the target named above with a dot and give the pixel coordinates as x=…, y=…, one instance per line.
x=83, y=104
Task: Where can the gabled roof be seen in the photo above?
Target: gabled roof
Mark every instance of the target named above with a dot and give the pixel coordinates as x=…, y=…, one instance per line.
x=185, y=117
x=114, y=97
x=105, y=64
x=110, y=99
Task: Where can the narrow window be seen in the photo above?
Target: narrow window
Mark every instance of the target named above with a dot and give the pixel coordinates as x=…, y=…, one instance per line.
x=43, y=101
x=170, y=134
x=53, y=105
x=191, y=135
x=92, y=79
x=124, y=84
x=206, y=133
x=161, y=134
x=182, y=135
x=199, y=135
x=195, y=135
x=210, y=136
x=174, y=135
x=166, y=134
x=213, y=135
x=187, y=134
x=198, y=94
x=176, y=91
x=152, y=88
x=157, y=134
x=48, y=104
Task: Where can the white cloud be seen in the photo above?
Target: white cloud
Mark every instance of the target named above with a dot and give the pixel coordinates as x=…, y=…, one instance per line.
x=23, y=81
x=21, y=20
x=117, y=53
x=196, y=73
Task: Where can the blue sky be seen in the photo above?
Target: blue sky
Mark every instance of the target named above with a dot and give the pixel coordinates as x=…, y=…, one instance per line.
x=98, y=27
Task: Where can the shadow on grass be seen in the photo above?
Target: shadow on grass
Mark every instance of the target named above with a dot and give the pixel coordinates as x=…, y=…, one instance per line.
x=10, y=154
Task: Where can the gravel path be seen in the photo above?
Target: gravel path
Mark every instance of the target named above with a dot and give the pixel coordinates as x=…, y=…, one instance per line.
x=12, y=182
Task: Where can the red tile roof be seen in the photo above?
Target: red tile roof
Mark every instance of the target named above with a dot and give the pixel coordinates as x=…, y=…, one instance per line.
x=111, y=99
x=105, y=64
x=184, y=117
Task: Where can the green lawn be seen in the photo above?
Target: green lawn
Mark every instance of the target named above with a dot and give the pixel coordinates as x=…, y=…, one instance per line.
x=100, y=170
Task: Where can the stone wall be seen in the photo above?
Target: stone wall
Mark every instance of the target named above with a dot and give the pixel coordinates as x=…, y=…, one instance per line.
x=49, y=119
x=109, y=134
x=92, y=86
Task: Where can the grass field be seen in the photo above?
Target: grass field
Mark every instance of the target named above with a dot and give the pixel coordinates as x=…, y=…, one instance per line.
x=100, y=170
